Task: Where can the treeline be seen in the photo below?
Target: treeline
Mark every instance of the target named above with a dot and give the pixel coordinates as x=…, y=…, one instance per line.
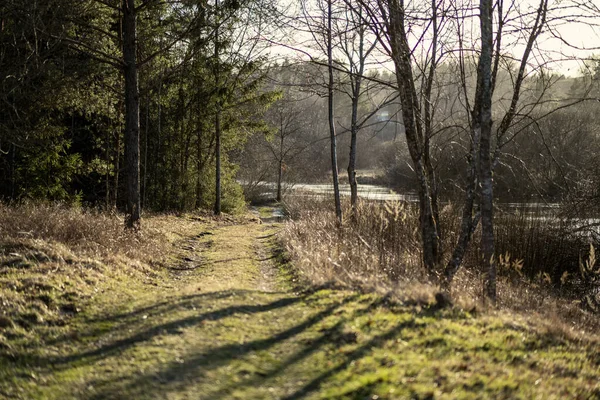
x=63, y=99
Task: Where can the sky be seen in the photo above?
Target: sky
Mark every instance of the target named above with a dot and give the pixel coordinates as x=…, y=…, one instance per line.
x=578, y=28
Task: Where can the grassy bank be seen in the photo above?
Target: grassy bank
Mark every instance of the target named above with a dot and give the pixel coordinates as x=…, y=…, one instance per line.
x=216, y=311
x=539, y=262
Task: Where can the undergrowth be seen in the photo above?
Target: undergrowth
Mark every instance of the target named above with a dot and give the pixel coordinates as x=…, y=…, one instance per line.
x=380, y=250
x=54, y=259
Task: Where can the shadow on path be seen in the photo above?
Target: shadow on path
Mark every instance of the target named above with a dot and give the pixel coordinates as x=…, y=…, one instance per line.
x=195, y=366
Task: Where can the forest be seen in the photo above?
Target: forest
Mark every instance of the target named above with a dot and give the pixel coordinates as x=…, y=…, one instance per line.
x=382, y=199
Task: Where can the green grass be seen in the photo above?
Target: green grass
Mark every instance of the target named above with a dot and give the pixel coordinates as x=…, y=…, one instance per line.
x=208, y=333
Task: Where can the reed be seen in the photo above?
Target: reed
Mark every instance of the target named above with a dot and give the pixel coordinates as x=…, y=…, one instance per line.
x=538, y=255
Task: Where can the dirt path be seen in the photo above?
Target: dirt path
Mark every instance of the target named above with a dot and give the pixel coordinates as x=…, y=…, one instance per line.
x=227, y=325
x=267, y=281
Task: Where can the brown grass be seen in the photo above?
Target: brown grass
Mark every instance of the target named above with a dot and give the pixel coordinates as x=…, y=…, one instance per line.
x=85, y=231
x=53, y=258
x=381, y=251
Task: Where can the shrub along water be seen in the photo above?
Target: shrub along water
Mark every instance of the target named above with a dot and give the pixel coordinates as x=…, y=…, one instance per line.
x=539, y=254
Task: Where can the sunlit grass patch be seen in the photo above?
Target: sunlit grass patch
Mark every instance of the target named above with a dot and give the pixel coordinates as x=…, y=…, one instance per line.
x=203, y=330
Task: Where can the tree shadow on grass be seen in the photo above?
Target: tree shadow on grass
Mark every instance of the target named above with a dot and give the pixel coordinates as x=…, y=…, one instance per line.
x=174, y=326
x=331, y=336
x=102, y=329
x=356, y=354
x=176, y=376
x=195, y=366
x=324, y=317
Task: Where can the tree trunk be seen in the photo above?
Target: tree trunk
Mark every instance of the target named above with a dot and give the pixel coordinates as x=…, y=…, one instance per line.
x=356, y=93
x=468, y=221
x=281, y=155
x=107, y=180
x=217, y=120
x=132, y=116
x=334, y=164
x=487, y=200
x=413, y=128
x=354, y=133
x=146, y=130
x=352, y=171
x=279, y=179
x=117, y=161
x=13, y=177
x=198, y=158
x=218, y=162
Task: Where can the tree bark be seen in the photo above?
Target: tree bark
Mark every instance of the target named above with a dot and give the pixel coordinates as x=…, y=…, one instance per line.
x=132, y=116
x=281, y=155
x=334, y=163
x=401, y=55
x=217, y=119
x=354, y=129
x=485, y=159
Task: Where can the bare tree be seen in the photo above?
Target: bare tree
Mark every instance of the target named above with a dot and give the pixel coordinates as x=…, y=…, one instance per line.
x=485, y=158
x=351, y=32
x=482, y=157
x=330, y=94
x=390, y=22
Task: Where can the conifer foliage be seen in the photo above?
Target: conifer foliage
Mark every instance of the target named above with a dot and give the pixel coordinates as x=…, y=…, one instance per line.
x=112, y=103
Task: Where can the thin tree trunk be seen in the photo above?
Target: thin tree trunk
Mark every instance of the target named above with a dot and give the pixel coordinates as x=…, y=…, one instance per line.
x=357, y=80
x=146, y=128
x=487, y=200
x=117, y=161
x=414, y=135
x=217, y=119
x=132, y=116
x=280, y=172
x=13, y=177
x=107, y=180
x=198, y=157
x=429, y=112
x=218, y=163
x=354, y=133
x=334, y=164
x=279, y=179
x=185, y=155
x=468, y=221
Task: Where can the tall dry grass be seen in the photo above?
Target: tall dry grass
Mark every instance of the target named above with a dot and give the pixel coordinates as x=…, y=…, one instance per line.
x=86, y=231
x=381, y=250
x=55, y=258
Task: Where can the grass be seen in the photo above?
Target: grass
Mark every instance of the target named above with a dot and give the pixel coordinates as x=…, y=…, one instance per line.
x=380, y=251
x=204, y=327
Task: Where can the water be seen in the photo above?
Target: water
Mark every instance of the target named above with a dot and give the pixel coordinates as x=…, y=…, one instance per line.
x=367, y=192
